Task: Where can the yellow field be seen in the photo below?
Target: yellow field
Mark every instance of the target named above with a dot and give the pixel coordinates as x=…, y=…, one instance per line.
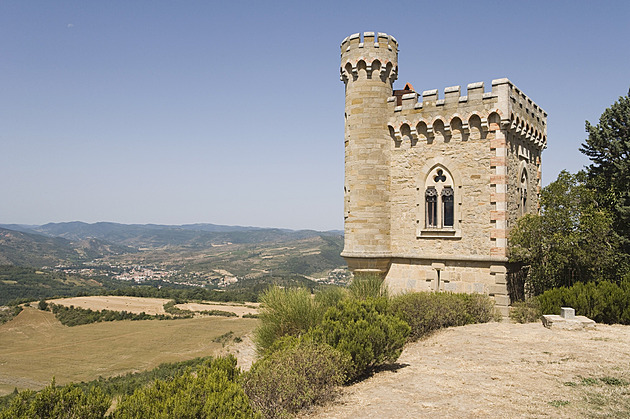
x=34, y=346
x=148, y=305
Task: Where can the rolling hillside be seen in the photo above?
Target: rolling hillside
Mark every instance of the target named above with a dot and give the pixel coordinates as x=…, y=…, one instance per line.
x=28, y=249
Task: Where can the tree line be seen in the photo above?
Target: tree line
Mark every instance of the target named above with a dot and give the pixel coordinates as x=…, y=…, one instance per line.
x=582, y=232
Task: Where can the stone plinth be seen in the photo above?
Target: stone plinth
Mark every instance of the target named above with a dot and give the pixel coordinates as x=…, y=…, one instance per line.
x=567, y=320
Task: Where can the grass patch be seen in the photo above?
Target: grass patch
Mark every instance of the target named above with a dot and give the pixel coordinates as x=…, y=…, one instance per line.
x=612, y=381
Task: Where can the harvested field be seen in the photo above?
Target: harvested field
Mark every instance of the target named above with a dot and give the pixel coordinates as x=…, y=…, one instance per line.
x=149, y=305
x=237, y=309
x=35, y=346
x=116, y=303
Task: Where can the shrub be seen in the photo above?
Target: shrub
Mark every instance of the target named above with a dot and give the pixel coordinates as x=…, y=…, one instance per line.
x=177, y=312
x=212, y=391
x=297, y=374
x=364, y=331
x=285, y=311
x=222, y=313
x=59, y=402
x=367, y=285
x=426, y=312
x=42, y=305
x=330, y=296
x=604, y=302
x=527, y=311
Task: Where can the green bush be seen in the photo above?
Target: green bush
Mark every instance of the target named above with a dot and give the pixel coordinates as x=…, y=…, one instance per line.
x=222, y=313
x=285, y=311
x=330, y=296
x=365, y=331
x=177, y=312
x=604, y=302
x=367, y=285
x=58, y=402
x=9, y=312
x=527, y=311
x=426, y=312
x=212, y=391
x=297, y=374
x=42, y=305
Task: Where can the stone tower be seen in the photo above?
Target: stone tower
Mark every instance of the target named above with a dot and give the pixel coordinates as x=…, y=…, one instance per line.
x=433, y=186
x=368, y=69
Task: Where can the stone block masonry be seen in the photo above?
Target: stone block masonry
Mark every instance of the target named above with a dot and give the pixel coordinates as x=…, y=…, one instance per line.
x=434, y=183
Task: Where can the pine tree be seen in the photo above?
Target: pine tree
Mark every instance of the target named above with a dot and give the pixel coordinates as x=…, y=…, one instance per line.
x=608, y=148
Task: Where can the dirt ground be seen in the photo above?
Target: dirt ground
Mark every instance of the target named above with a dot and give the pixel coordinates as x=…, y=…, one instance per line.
x=498, y=370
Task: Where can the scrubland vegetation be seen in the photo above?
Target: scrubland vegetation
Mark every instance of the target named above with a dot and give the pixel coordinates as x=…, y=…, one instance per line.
x=308, y=346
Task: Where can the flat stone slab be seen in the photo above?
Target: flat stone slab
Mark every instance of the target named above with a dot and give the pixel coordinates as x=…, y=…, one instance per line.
x=553, y=321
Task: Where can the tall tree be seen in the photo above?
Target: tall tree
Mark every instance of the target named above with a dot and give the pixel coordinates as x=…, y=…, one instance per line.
x=570, y=241
x=608, y=148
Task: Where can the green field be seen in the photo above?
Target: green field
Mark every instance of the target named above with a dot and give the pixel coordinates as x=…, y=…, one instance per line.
x=34, y=347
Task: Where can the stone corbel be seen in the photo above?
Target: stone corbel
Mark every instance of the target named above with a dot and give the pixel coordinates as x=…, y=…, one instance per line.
x=413, y=133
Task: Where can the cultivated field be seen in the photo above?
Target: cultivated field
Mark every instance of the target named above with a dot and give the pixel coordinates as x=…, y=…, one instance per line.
x=150, y=305
x=35, y=346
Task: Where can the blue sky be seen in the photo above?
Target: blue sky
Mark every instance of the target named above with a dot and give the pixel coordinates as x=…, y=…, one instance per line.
x=179, y=112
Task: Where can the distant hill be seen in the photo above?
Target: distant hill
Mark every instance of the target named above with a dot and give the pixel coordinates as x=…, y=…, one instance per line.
x=29, y=249
x=190, y=255
x=155, y=236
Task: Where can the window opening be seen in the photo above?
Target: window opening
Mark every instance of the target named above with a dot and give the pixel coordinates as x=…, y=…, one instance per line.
x=431, y=209
x=448, y=215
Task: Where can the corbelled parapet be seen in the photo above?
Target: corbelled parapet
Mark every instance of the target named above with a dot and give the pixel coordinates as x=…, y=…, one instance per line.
x=504, y=107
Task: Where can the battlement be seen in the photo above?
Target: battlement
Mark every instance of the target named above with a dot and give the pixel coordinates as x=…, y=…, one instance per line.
x=362, y=55
x=503, y=107
x=369, y=40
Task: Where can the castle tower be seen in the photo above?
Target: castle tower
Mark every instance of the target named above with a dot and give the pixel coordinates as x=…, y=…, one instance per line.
x=368, y=69
x=434, y=182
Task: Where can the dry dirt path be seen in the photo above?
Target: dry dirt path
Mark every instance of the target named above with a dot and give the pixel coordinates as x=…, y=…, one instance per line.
x=498, y=370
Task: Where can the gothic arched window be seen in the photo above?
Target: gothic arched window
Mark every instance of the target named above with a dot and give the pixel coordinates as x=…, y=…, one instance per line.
x=439, y=199
x=523, y=193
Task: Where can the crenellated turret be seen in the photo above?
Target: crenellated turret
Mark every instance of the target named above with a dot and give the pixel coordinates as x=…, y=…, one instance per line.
x=369, y=66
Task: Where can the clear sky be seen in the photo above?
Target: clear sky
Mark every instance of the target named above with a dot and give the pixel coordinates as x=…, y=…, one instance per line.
x=231, y=112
